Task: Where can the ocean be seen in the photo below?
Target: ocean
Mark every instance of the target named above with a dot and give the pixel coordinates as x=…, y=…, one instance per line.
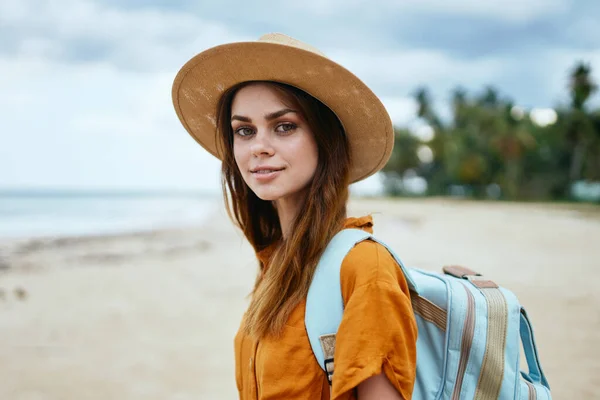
x=70, y=213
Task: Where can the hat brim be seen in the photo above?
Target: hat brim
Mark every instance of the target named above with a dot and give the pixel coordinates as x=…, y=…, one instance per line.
x=201, y=82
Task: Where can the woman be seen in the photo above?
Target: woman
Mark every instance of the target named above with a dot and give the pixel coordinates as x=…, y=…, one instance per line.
x=293, y=130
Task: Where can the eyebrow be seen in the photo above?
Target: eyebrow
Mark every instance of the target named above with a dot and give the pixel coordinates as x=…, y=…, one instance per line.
x=268, y=117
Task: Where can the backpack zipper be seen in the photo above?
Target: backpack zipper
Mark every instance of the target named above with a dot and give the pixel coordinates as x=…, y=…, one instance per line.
x=531, y=389
x=467, y=339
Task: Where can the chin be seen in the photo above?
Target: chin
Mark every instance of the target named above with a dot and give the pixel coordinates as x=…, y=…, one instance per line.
x=267, y=195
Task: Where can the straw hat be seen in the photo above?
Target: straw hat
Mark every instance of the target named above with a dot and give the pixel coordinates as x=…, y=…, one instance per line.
x=276, y=57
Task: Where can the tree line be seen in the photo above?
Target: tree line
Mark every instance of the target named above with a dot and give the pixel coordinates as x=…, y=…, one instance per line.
x=492, y=148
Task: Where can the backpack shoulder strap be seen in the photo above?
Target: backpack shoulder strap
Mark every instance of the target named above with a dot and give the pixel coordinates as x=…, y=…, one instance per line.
x=324, y=302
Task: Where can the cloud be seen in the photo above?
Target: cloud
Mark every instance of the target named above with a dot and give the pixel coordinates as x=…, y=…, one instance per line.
x=404, y=70
x=395, y=75
x=506, y=10
x=95, y=126
x=402, y=110
x=85, y=31
x=85, y=89
x=85, y=96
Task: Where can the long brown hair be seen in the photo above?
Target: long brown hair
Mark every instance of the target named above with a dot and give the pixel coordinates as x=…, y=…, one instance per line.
x=283, y=283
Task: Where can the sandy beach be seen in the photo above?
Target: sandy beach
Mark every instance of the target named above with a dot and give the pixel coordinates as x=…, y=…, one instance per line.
x=152, y=315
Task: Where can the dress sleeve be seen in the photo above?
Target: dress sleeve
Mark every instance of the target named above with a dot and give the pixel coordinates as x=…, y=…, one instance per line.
x=378, y=332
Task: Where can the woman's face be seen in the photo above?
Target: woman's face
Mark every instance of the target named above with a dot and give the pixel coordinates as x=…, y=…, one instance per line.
x=273, y=146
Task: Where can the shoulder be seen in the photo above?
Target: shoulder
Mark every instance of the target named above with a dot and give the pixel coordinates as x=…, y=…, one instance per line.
x=378, y=331
x=368, y=263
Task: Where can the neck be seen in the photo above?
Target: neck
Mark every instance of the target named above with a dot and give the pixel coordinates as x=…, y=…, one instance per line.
x=287, y=210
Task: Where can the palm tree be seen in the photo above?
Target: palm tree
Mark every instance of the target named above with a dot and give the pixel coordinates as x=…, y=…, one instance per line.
x=425, y=109
x=404, y=158
x=581, y=133
x=581, y=85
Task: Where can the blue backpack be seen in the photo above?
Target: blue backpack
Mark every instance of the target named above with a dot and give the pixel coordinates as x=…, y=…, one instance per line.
x=470, y=330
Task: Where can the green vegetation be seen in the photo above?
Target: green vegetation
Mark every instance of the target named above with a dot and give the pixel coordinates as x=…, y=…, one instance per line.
x=491, y=148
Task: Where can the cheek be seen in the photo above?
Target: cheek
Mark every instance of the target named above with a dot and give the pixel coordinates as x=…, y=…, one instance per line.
x=311, y=153
x=238, y=155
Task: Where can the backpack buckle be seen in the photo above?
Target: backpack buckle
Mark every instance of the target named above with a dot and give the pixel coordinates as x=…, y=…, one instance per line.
x=474, y=277
x=329, y=370
x=459, y=272
x=328, y=346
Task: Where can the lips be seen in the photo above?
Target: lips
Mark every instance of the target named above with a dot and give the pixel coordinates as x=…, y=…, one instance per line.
x=265, y=170
x=265, y=174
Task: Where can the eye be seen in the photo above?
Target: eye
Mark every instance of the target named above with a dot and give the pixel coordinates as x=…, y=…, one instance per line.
x=286, y=127
x=243, y=131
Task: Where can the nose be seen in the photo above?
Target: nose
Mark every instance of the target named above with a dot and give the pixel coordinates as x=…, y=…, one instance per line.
x=261, y=145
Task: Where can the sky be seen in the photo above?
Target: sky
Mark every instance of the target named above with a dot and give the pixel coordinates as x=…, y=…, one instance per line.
x=85, y=86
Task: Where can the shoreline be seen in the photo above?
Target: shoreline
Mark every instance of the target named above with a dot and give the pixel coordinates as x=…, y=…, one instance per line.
x=49, y=216
x=216, y=205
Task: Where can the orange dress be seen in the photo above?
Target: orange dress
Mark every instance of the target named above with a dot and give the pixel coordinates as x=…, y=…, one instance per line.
x=378, y=333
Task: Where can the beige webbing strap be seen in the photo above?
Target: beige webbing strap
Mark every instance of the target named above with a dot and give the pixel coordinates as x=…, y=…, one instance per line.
x=429, y=311
x=492, y=369
x=328, y=346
